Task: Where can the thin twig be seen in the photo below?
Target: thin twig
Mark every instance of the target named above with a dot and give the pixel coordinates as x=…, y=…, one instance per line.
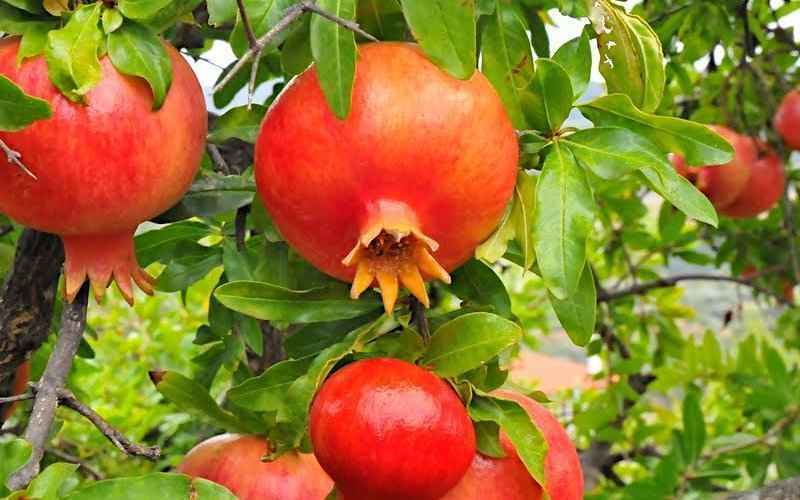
x=220, y=165
x=14, y=158
x=73, y=324
x=63, y=455
x=248, y=28
x=774, y=431
x=68, y=399
x=351, y=25
x=14, y=399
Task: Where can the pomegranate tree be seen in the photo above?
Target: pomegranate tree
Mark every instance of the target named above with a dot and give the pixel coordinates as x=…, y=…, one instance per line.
x=385, y=429
x=102, y=166
x=236, y=462
x=401, y=191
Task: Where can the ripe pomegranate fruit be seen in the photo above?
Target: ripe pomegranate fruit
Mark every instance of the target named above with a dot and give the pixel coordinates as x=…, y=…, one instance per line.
x=385, y=429
x=722, y=184
x=763, y=190
x=423, y=165
x=20, y=384
x=103, y=167
x=787, y=120
x=234, y=461
x=508, y=479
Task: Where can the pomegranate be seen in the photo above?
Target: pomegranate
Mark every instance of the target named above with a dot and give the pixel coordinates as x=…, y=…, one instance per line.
x=423, y=166
x=562, y=467
x=103, y=167
x=385, y=429
x=21, y=378
x=787, y=120
x=764, y=188
x=234, y=461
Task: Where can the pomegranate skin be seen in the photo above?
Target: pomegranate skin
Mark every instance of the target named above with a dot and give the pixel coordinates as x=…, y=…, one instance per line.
x=787, y=120
x=763, y=190
x=385, y=429
x=104, y=166
x=20, y=384
x=723, y=183
x=234, y=461
x=497, y=479
x=438, y=154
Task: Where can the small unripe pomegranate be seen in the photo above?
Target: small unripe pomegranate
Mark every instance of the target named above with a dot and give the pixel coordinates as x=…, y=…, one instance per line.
x=385, y=429
x=235, y=461
x=103, y=167
x=787, y=120
x=19, y=385
x=405, y=188
x=764, y=188
x=505, y=479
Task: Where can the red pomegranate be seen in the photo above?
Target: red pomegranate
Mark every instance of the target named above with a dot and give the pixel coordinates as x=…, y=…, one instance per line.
x=787, y=120
x=234, y=461
x=764, y=188
x=423, y=166
x=103, y=167
x=385, y=429
x=504, y=479
x=21, y=378
x=722, y=184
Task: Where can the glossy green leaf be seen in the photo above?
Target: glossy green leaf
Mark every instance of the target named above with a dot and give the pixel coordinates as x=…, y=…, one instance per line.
x=446, y=31
x=112, y=19
x=34, y=40
x=697, y=143
x=382, y=18
x=191, y=263
x=496, y=245
x=296, y=54
x=14, y=452
x=212, y=194
x=267, y=392
x=562, y=221
x=577, y=313
x=14, y=21
x=334, y=50
x=221, y=11
x=141, y=9
x=169, y=15
x=160, y=244
x=694, y=426
x=539, y=38
x=526, y=437
x=188, y=395
x=477, y=283
x=549, y=101
x=47, y=485
x=680, y=192
x=238, y=123
x=611, y=152
x=274, y=303
x=155, y=485
x=575, y=57
x=32, y=6
x=136, y=51
x=522, y=216
x=17, y=109
x=487, y=437
x=315, y=337
x=72, y=53
x=632, y=61
x=468, y=341
x=507, y=58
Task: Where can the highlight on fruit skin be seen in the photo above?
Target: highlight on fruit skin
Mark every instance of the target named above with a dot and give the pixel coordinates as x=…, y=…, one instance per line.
x=103, y=166
x=405, y=188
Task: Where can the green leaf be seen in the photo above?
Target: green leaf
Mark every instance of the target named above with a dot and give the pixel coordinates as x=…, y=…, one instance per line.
x=192, y=263
x=274, y=303
x=334, y=50
x=17, y=109
x=694, y=426
x=539, y=38
x=156, y=485
x=382, y=18
x=169, y=15
x=562, y=221
x=238, y=123
x=507, y=58
x=446, y=31
x=469, y=341
x=210, y=195
x=526, y=437
x=221, y=11
x=632, y=61
x=697, y=143
x=315, y=337
x=496, y=245
x=32, y=6
x=549, y=102
x=141, y=9
x=575, y=57
x=34, y=40
x=136, y=51
x=611, y=152
x=263, y=16
x=112, y=19
x=680, y=192
x=72, y=53
x=477, y=283
x=190, y=396
x=161, y=244
x=487, y=436
x=14, y=452
x=522, y=216
x=47, y=485
x=267, y=392
x=296, y=54
x=577, y=313
x=670, y=223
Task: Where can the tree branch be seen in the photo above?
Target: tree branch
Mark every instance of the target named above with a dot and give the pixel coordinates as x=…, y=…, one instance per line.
x=73, y=323
x=248, y=28
x=782, y=490
x=351, y=25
